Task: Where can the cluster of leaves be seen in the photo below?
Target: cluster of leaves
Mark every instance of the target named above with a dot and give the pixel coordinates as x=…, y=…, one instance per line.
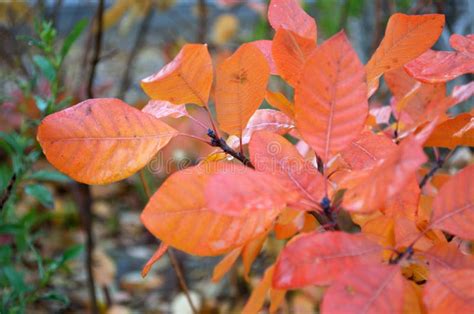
x=20, y=231
x=351, y=160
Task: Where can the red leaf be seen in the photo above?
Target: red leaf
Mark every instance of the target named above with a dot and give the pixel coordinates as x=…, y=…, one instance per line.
x=367, y=149
x=373, y=289
x=190, y=73
x=450, y=291
x=442, y=66
x=453, y=132
x=273, y=154
x=331, y=99
x=160, y=109
x=178, y=215
x=289, y=15
x=453, y=207
x=156, y=256
x=320, y=258
x=246, y=191
x=368, y=190
x=448, y=256
x=290, y=53
x=269, y=120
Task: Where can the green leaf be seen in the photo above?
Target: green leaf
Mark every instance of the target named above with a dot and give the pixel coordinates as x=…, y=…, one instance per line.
x=46, y=67
x=41, y=193
x=72, y=37
x=56, y=296
x=49, y=175
x=5, y=177
x=68, y=255
x=41, y=103
x=15, y=279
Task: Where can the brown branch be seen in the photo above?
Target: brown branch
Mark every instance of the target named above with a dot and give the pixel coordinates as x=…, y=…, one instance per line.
x=202, y=28
x=97, y=49
x=139, y=41
x=438, y=165
x=220, y=142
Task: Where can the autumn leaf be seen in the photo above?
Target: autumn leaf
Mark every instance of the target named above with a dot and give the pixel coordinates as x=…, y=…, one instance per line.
x=156, y=256
x=273, y=154
x=406, y=37
x=367, y=149
x=449, y=291
x=290, y=52
x=178, y=215
x=289, y=15
x=240, y=88
x=186, y=79
x=250, y=252
x=279, y=101
x=331, y=99
x=320, y=258
x=447, y=256
x=246, y=192
x=368, y=190
x=453, y=207
x=265, y=47
x=368, y=289
x=257, y=298
x=453, y=132
x=102, y=140
x=268, y=120
x=225, y=264
x=161, y=108
x=442, y=66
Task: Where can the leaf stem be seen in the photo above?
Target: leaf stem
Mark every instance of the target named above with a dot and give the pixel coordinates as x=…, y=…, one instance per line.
x=438, y=165
x=217, y=141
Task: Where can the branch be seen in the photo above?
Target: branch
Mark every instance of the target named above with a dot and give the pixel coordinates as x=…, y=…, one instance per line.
x=8, y=191
x=439, y=164
x=220, y=142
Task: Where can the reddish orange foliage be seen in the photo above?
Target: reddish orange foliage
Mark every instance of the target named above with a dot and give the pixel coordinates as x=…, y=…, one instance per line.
x=339, y=169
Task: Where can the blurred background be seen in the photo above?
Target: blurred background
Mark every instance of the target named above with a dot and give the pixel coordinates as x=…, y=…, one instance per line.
x=55, y=234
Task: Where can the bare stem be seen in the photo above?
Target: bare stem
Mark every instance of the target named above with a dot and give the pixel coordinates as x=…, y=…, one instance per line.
x=217, y=141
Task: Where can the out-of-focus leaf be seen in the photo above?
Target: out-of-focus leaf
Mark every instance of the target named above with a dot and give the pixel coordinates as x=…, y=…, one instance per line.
x=156, y=256
x=41, y=103
x=453, y=207
x=225, y=264
x=49, y=175
x=72, y=37
x=368, y=289
x=279, y=101
x=190, y=73
x=46, y=67
x=257, y=298
x=41, y=193
x=289, y=15
x=330, y=112
x=55, y=296
x=102, y=140
x=320, y=258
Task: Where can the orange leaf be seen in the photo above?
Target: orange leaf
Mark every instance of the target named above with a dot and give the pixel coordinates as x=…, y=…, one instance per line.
x=412, y=303
x=290, y=52
x=160, y=109
x=368, y=190
x=276, y=299
x=102, y=140
x=406, y=37
x=453, y=132
x=289, y=223
x=240, y=88
x=320, y=258
x=225, y=264
x=279, y=101
x=367, y=149
x=450, y=291
x=257, y=298
x=442, y=66
x=273, y=154
x=265, y=47
x=373, y=289
x=250, y=253
x=448, y=256
x=246, y=192
x=331, y=99
x=453, y=207
x=268, y=120
x=178, y=215
x=156, y=256
x=186, y=79
x=289, y=15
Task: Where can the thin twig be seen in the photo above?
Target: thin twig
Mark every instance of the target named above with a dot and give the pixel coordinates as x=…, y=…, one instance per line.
x=8, y=192
x=220, y=142
x=97, y=49
x=438, y=165
x=202, y=29
x=174, y=262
